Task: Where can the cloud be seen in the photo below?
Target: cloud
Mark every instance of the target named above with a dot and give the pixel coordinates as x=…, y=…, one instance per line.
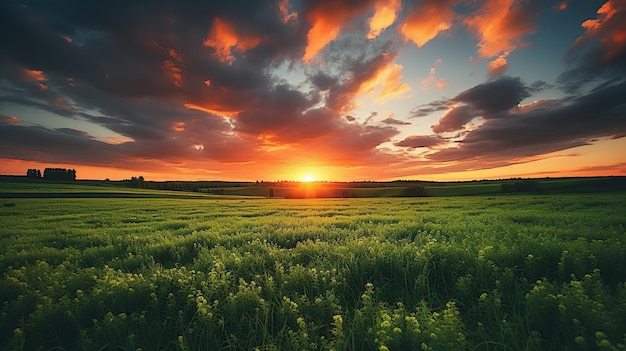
x=500, y=26
x=34, y=75
x=455, y=119
x=421, y=141
x=432, y=80
x=378, y=76
x=543, y=127
x=174, y=71
x=498, y=66
x=494, y=97
x=393, y=121
x=9, y=119
x=57, y=146
x=617, y=168
x=426, y=20
x=391, y=83
x=430, y=108
x=327, y=17
x=283, y=7
x=385, y=14
x=223, y=37
x=511, y=132
x=562, y=6
x=599, y=54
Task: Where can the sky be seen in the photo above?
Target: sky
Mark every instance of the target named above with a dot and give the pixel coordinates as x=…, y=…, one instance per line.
x=337, y=90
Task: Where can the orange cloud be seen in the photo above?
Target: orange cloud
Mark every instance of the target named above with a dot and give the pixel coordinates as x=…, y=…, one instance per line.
x=426, y=21
x=223, y=37
x=385, y=14
x=327, y=19
x=388, y=78
x=498, y=66
x=608, y=26
x=117, y=140
x=215, y=110
x=605, y=13
x=178, y=126
x=175, y=55
x=170, y=68
x=392, y=85
x=34, y=75
x=500, y=26
x=439, y=84
x=10, y=119
x=283, y=7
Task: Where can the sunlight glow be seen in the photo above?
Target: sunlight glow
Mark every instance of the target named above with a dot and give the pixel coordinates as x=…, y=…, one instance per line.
x=308, y=178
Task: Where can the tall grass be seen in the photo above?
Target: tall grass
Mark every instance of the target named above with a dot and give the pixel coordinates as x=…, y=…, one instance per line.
x=481, y=273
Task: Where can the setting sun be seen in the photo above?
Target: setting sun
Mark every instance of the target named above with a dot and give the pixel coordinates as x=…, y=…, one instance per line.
x=308, y=178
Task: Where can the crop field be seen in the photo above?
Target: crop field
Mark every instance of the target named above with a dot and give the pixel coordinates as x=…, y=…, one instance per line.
x=505, y=272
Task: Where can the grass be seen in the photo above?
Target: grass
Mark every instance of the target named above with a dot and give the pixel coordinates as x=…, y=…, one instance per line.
x=507, y=272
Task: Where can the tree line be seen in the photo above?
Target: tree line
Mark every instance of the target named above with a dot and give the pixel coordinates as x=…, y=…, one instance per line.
x=52, y=174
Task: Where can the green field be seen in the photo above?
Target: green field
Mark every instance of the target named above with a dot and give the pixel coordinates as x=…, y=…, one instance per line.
x=504, y=272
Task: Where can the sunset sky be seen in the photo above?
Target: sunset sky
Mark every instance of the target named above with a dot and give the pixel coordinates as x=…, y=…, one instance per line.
x=315, y=89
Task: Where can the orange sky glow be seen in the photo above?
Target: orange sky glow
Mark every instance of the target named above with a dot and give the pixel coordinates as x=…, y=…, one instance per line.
x=324, y=90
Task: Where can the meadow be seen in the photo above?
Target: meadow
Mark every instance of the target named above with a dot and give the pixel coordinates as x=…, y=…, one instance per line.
x=503, y=272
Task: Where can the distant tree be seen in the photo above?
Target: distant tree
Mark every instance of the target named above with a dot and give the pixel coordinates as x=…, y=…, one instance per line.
x=272, y=192
x=59, y=174
x=136, y=182
x=33, y=173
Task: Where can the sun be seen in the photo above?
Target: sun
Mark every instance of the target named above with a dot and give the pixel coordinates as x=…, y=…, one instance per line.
x=308, y=178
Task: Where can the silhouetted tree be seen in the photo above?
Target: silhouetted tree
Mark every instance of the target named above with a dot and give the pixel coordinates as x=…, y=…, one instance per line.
x=33, y=173
x=59, y=174
x=136, y=182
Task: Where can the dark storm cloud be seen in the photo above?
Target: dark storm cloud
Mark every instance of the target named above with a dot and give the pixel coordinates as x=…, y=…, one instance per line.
x=545, y=128
x=495, y=96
